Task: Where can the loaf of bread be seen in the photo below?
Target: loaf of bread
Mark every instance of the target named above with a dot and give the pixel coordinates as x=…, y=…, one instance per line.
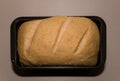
x=59, y=40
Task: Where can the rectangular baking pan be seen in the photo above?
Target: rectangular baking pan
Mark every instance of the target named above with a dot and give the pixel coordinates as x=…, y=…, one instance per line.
x=57, y=70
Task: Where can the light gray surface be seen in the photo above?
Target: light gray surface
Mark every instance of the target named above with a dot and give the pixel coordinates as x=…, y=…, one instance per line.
x=107, y=9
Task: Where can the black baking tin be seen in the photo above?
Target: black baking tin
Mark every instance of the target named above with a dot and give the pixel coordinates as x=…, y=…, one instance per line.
x=57, y=70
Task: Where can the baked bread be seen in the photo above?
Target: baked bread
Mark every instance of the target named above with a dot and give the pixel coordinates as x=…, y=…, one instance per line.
x=59, y=40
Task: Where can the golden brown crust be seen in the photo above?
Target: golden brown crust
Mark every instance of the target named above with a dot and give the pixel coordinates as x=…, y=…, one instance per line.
x=59, y=40
x=25, y=35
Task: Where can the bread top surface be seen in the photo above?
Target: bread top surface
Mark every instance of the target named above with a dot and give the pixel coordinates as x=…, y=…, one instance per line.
x=59, y=40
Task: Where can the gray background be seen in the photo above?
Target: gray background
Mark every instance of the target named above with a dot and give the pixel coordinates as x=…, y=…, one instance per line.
x=107, y=9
